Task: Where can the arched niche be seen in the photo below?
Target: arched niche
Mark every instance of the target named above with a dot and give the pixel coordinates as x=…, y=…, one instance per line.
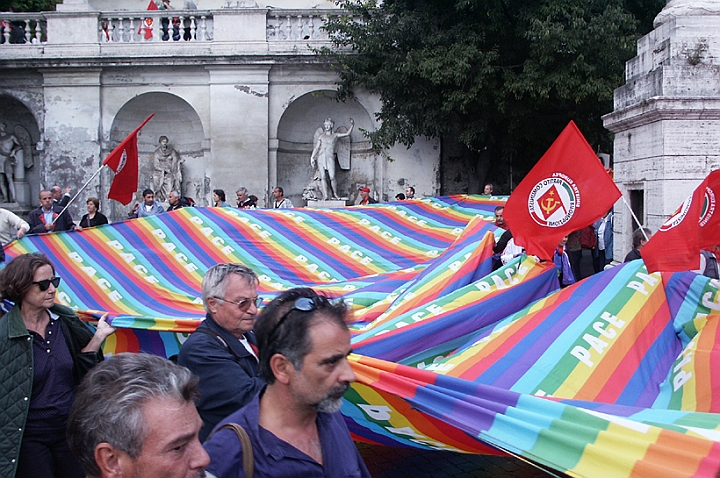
x=20, y=122
x=174, y=118
x=295, y=135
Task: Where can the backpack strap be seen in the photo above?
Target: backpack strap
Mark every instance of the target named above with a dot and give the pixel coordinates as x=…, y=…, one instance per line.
x=245, y=446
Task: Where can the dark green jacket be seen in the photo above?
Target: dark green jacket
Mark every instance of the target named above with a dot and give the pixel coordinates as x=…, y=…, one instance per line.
x=16, y=374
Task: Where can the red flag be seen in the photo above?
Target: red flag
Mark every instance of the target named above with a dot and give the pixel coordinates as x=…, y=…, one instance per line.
x=566, y=191
x=147, y=23
x=695, y=225
x=710, y=214
x=124, y=161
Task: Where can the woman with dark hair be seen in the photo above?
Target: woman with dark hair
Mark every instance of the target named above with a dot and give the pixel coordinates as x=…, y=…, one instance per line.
x=45, y=350
x=219, y=198
x=94, y=217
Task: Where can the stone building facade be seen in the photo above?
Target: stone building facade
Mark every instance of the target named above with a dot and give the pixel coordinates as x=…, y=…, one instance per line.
x=239, y=94
x=666, y=117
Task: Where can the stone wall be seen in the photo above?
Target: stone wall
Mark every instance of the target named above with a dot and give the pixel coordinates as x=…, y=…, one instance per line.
x=667, y=119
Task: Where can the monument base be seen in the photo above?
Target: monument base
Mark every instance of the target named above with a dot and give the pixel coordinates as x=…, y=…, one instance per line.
x=326, y=203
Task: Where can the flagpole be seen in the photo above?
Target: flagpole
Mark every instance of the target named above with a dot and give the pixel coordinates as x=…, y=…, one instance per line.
x=635, y=217
x=78, y=193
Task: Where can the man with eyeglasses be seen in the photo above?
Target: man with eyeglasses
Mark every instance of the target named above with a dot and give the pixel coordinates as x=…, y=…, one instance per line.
x=294, y=425
x=222, y=350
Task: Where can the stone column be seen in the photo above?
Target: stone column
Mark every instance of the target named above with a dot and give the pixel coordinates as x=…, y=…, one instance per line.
x=666, y=117
x=239, y=125
x=71, y=129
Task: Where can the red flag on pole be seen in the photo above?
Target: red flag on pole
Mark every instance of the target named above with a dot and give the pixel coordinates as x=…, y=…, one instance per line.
x=566, y=191
x=147, y=23
x=124, y=161
x=695, y=225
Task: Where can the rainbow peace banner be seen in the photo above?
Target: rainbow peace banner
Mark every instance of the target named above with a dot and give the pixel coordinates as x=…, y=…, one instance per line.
x=616, y=376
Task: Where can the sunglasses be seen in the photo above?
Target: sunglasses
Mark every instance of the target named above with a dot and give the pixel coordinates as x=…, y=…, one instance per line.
x=44, y=285
x=303, y=304
x=244, y=303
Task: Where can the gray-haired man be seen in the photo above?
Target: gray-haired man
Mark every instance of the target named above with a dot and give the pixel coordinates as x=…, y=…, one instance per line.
x=134, y=416
x=221, y=351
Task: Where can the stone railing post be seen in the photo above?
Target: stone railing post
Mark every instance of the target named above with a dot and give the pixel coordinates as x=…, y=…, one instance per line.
x=244, y=25
x=72, y=27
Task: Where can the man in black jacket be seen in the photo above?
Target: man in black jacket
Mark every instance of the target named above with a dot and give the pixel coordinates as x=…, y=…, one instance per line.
x=222, y=351
x=47, y=217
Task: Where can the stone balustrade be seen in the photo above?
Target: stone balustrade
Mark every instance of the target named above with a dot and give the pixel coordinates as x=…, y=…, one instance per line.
x=155, y=26
x=158, y=26
x=22, y=28
x=298, y=25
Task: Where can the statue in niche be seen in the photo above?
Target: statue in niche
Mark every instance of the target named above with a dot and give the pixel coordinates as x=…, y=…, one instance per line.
x=11, y=151
x=328, y=145
x=167, y=174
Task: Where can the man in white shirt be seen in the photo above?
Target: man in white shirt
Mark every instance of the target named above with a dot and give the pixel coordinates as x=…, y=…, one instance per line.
x=280, y=201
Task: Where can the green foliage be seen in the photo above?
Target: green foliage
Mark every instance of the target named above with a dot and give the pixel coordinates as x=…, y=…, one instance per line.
x=503, y=76
x=29, y=5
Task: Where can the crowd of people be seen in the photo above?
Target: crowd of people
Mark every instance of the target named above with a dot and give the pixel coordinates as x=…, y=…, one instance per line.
x=250, y=392
x=261, y=390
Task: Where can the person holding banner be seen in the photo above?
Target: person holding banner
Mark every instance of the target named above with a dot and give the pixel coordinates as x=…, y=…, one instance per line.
x=49, y=217
x=45, y=350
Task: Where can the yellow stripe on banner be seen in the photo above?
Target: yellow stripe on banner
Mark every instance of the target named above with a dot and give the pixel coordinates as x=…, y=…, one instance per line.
x=616, y=449
x=633, y=322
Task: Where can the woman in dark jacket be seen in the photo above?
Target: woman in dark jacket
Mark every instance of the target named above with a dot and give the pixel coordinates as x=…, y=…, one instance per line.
x=94, y=217
x=45, y=350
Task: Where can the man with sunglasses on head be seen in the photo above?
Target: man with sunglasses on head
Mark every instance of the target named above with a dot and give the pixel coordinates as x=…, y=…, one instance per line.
x=294, y=425
x=222, y=350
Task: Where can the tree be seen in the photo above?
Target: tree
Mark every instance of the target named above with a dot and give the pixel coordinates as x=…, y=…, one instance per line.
x=504, y=77
x=29, y=5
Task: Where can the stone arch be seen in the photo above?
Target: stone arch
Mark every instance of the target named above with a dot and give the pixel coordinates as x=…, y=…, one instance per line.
x=21, y=122
x=174, y=118
x=295, y=132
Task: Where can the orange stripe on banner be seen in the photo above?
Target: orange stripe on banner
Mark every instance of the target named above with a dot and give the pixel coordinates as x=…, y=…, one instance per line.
x=672, y=455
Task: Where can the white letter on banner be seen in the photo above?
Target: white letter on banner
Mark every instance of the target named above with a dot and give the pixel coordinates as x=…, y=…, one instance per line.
x=609, y=333
x=707, y=301
x=376, y=412
x=115, y=244
x=582, y=354
x=159, y=233
x=75, y=256
x=680, y=380
x=638, y=286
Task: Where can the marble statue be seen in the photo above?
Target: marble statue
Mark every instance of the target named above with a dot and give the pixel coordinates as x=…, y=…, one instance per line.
x=167, y=173
x=9, y=148
x=327, y=148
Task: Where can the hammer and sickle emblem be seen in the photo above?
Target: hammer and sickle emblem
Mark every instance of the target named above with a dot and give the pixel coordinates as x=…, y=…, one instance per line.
x=549, y=205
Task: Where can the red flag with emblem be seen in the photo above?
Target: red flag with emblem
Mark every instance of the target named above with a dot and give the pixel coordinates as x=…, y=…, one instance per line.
x=567, y=190
x=695, y=225
x=147, y=23
x=124, y=161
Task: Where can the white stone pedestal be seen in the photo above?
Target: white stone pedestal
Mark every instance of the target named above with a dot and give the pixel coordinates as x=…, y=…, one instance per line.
x=666, y=118
x=326, y=203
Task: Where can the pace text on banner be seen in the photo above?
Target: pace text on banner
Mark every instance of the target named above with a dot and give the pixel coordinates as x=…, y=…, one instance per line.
x=123, y=160
x=567, y=190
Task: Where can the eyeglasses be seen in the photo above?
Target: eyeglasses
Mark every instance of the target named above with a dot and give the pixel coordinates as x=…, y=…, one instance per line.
x=44, y=285
x=303, y=304
x=244, y=303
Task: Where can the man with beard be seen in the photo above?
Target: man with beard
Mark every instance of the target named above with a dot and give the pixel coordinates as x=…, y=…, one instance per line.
x=134, y=416
x=294, y=424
